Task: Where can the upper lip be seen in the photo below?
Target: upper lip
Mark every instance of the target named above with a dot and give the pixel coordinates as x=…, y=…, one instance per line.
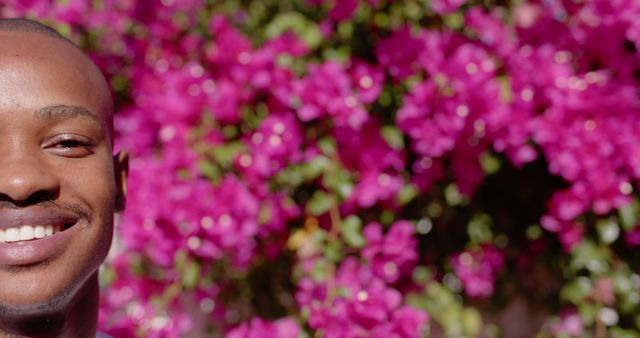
x=10, y=218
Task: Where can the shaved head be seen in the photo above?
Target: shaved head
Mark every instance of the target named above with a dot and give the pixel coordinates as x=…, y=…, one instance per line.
x=26, y=25
x=47, y=41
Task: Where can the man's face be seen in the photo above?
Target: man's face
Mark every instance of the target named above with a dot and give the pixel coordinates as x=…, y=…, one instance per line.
x=57, y=172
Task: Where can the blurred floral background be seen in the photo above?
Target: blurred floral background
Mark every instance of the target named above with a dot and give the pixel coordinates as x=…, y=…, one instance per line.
x=370, y=168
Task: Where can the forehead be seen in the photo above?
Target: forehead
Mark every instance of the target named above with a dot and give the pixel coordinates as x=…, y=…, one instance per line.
x=38, y=70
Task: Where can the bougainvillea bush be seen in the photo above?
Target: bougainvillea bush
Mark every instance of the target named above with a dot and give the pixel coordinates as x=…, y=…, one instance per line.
x=378, y=168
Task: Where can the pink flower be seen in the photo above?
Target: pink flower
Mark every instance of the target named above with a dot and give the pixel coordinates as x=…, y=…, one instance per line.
x=399, y=53
x=259, y=328
x=368, y=80
x=446, y=6
x=570, y=324
x=392, y=255
x=478, y=269
x=327, y=91
x=228, y=46
x=632, y=237
x=343, y=9
x=272, y=146
x=367, y=307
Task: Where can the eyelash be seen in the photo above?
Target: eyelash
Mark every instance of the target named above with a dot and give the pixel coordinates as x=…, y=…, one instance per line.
x=70, y=146
x=71, y=143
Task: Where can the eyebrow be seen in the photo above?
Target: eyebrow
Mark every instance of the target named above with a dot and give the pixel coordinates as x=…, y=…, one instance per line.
x=63, y=111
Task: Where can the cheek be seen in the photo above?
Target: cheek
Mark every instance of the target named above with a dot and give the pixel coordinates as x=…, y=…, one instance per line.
x=91, y=182
x=92, y=185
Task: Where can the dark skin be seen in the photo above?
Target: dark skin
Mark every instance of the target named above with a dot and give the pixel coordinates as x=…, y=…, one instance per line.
x=56, y=151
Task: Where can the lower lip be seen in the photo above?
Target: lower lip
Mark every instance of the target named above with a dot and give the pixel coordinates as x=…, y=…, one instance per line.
x=34, y=251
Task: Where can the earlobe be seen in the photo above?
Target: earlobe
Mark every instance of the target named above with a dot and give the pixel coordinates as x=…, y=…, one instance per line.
x=121, y=170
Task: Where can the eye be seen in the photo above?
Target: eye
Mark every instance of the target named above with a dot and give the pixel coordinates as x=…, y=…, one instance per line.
x=70, y=146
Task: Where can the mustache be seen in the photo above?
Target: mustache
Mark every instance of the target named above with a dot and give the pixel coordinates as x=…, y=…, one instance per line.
x=78, y=209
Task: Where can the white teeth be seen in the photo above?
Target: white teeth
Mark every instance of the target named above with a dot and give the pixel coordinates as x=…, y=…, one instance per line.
x=12, y=235
x=38, y=232
x=28, y=232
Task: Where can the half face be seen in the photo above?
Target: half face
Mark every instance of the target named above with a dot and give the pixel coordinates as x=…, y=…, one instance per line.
x=58, y=181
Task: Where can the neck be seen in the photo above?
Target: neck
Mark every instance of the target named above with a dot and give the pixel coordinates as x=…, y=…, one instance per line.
x=77, y=319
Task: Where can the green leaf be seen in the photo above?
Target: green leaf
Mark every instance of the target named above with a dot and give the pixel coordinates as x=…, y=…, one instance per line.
x=479, y=228
x=381, y=19
x=385, y=99
x=333, y=251
x=344, y=189
x=319, y=270
x=387, y=217
x=453, y=195
x=617, y=332
x=180, y=259
x=577, y=290
x=320, y=203
x=305, y=29
x=421, y=274
x=351, y=229
x=506, y=91
x=107, y=275
x=328, y=146
x=588, y=256
x=454, y=20
x=295, y=175
x=471, y=322
x=209, y=170
x=230, y=131
x=608, y=230
x=534, y=232
x=338, y=180
x=393, y=136
x=629, y=215
x=340, y=54
x=191, y=275
x=407, y=193
x=588, y=312
x=315, y=168
x=489, y=163
x=413, y=10
x=265, y=214
x=119, y=83
x=343, y=291
x=434, y=209
x=446, y=309
x=224, y=155
x=345, y=30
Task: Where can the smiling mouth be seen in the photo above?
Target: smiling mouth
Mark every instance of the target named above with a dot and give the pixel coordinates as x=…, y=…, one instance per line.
x=30, y=232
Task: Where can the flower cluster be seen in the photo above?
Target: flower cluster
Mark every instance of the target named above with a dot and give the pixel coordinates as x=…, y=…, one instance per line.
x=369, y=168
x=363, y=306
x=477, y=270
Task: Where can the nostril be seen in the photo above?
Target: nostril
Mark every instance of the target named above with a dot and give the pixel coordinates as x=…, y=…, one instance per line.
x=40, y=196
x=43, y=196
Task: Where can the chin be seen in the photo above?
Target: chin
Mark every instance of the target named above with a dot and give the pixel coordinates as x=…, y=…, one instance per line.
x=44, y=311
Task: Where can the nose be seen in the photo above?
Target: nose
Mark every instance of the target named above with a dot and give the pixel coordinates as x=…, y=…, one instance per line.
x=25, y=180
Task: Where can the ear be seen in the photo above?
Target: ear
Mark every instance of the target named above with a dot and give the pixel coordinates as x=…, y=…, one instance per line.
x=121, y=170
